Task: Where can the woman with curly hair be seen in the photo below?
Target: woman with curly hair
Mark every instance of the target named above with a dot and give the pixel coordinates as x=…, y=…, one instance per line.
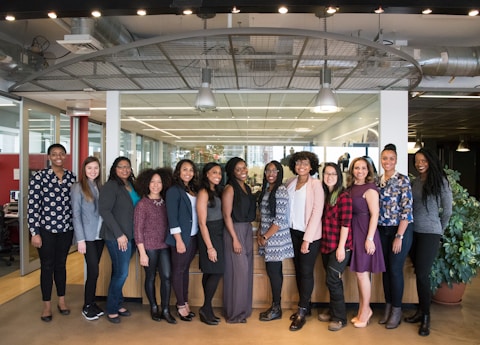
x=306, y=208
x=151, y=227
x=181, y=201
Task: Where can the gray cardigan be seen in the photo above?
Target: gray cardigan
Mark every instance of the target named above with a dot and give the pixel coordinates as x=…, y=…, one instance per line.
x=86, y=218
x=116, y=208
x=432, y=217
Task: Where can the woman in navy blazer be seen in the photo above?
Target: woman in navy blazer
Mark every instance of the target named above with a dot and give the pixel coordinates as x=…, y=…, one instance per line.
x=86, y=225
x=181, y=203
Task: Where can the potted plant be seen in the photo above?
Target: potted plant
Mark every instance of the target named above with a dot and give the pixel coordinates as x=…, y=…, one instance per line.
x=458, y=259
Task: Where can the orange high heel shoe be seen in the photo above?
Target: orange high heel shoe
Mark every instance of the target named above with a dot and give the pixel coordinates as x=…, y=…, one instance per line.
x=360, y=324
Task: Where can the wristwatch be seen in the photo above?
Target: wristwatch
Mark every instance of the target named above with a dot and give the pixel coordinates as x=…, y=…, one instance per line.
x=399, y=236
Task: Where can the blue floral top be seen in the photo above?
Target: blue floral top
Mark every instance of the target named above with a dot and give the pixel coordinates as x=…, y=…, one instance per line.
x=396, y=201
x=49, y=205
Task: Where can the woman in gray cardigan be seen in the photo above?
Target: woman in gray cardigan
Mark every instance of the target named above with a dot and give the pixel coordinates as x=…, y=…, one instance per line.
x=116, y=204
x=432, y=208
x=86, y=224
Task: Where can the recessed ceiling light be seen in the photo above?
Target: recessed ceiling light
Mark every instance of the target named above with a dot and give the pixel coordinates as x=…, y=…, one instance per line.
x=282, y=10
x=331, y=10
x=187, y=11
x=427, y=11
x=142, y=12
x=379, y=10
x=96, y=14
x=235, y=10
x=473, y=13
x=10, y=17
x=52, y=15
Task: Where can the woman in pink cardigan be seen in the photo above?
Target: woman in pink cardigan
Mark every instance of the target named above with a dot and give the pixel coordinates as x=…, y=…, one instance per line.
x=306, y=207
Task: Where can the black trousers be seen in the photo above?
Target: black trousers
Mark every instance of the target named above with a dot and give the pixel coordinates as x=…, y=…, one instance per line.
x=304, y=266
x=53, y=259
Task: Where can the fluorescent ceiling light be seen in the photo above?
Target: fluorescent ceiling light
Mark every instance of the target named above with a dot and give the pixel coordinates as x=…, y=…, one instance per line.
x=131, y=118
x=448, y=96
x=356, y=130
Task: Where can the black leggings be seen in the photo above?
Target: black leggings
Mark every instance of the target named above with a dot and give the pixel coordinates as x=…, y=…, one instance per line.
x=158, y=260
x=275, y=274
x=424, y=250
x=92, y=259
x=210, y=283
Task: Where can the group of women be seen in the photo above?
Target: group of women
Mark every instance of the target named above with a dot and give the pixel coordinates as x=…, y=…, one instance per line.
x=168, y=216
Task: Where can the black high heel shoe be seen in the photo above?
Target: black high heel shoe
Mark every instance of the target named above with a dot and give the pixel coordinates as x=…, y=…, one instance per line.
x=190, y=313
x=205, y=319
x=183, y=318
x=63, y=311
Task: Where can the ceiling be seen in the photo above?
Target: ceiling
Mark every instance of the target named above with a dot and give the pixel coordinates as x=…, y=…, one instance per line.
x=265, y=71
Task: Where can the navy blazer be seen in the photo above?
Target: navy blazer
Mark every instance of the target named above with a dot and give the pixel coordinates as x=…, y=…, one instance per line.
x=179, y=213
x=116, y=208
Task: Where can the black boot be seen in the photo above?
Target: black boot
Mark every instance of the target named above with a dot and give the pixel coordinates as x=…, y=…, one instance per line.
x=154, y=313
x=299, y=320
x=395, y=318
x=425, y=326
x=415, y=318
x=272, y=313
x=167, y=316
x=386, y=315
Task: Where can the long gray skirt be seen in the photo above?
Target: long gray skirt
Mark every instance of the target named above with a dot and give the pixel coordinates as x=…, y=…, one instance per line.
x=238, y=276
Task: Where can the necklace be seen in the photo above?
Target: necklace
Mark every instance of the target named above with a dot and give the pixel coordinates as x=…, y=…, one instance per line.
x=158, y=202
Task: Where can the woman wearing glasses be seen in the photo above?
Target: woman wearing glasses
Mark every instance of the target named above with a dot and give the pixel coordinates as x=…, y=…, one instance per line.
x=336, y=243
x=274, y=240
x=116, y=203
x=306, y=208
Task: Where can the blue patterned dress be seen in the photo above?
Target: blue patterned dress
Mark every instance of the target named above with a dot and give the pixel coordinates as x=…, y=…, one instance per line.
x=279, y=246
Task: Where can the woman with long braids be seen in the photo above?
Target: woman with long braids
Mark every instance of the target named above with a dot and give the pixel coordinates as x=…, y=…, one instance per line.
x=432, y=208
x=274, y=240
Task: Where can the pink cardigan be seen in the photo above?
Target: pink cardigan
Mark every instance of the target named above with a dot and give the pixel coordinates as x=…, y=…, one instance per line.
x=314, y=202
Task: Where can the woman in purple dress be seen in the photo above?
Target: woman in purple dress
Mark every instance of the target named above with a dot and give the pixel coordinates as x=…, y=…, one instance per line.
x=367, y=256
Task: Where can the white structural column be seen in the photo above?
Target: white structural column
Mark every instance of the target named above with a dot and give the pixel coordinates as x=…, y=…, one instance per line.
x=394, y=125
x=112, y=129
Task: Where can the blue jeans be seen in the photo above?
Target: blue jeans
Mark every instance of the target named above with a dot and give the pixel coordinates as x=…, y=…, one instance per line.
x=393, y=282
x=120, y=262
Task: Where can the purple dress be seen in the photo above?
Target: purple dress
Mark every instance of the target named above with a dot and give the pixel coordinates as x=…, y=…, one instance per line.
x=361, y=261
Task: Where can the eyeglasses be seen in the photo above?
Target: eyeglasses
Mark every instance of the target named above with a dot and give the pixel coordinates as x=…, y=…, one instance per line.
x=303, y=163
x=123, y=167
x=271, y=172
x=330, y=174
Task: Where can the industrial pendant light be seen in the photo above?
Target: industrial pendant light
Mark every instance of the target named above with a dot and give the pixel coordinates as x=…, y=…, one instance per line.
x=205, y=99
x=326, y=101
x=418, y=142
x=462, y=146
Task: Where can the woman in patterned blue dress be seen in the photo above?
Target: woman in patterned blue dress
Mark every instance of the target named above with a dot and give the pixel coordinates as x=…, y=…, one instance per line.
x=274, y=240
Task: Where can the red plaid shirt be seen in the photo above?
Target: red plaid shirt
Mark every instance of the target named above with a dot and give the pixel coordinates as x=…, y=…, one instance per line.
x=334, y=217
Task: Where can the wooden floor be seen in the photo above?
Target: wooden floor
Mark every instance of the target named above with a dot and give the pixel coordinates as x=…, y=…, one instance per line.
x=20, y=308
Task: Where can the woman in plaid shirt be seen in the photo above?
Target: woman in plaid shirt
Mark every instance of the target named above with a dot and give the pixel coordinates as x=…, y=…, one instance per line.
x=336, y=243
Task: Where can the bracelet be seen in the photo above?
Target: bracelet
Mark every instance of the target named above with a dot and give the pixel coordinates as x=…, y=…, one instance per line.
x=370, y=238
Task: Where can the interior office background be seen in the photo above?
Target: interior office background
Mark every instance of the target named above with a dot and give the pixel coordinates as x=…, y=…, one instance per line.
x=28, y=127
